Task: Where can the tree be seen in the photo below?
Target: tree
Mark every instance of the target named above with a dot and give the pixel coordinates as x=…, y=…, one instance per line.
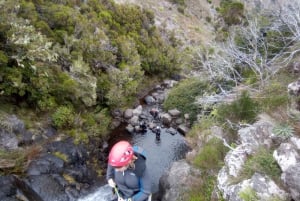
x=267, y=44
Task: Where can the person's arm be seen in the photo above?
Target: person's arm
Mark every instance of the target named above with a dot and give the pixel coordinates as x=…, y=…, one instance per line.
x=145, y=187
x=110, y=175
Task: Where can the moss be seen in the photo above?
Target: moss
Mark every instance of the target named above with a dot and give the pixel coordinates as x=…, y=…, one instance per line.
x=60, y=155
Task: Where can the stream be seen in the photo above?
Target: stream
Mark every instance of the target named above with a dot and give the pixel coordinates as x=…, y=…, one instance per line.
x=160, y=153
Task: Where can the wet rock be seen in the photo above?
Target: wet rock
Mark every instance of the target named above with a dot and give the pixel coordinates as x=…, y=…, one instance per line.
x=81, y=173
x=172, y=131
x=72, y=193
x=149, y=100
x=50, y=132
x=137, y=111
x=128, y=113
x=134, y=121
x=166, y=119
x=174, y=113
x=27, y=139
x=54, y=190
x=159, y=97
x=115, y=123
x=130, y=128
x=183, y=129
x=178, y=121
x=76, y=154
x=17, y=126
x=7, y=188
x=143, y=116
x=8, y=141
x=47, y=164
x=116, y=113
x=10, y=199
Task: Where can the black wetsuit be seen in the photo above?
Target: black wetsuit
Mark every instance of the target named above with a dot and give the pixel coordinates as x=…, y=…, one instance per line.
x=132, y=183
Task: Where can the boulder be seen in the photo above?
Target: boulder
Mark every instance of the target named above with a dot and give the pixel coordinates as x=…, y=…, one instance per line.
x=137, y=111
x=166, y=119
x=183, y=129
x=150, y=100
x=294, y=88
x=286, y=156
x=174, y=113
x=128, y=113
x=54, y=190
x=176, y=180
x=291, y=178
x=263, y=186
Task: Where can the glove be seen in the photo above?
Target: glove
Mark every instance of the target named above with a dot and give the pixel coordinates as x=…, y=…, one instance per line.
x=111, y=183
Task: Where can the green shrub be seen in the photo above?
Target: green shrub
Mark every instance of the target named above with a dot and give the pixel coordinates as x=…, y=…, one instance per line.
x=3, y=58
x=179, y=2
x=17, y=160
x=63, y=117
x=203, y=190
x=47, y=104
x=97, y=124
x=211, y=155
x=183, y=96
x=283, y=131
x=231, y=11
x=243, y=109
x=81, y=137
x=262, y=162
x=248, y=194
x=274, y=95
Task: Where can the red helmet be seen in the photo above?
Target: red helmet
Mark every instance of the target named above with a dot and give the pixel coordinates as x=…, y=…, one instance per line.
x=120, y=154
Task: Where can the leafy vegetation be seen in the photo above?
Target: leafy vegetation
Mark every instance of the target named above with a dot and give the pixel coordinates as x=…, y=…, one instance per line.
x=63, y=117
x=84, y=55
x=203, y=190
x=211, y=155
x=244, y=109
x=231, y=11
x=248, y=194
x=16, y=160
x=263, y=162
x=183, y=96
x=181, y=5
x=283, y=131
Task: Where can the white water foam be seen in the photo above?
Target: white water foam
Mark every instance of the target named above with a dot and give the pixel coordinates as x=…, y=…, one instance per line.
x=104, y=193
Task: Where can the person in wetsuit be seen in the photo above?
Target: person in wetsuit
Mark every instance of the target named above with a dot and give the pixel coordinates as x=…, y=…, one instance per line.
x=157, y=131
x=127, y=172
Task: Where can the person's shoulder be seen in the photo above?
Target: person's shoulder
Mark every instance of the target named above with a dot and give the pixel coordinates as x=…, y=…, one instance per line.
x=139, y=150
